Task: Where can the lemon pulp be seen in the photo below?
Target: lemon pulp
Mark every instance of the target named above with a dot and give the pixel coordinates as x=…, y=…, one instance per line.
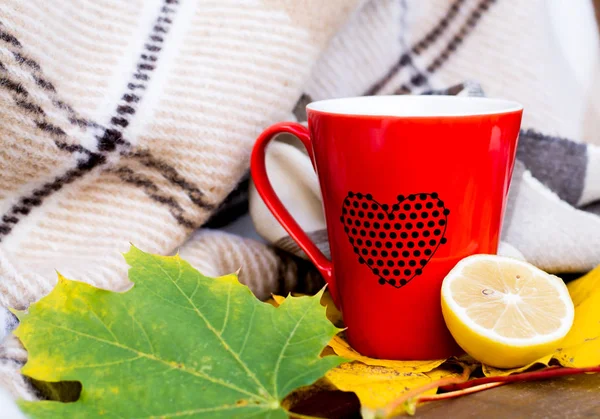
x=504, y=312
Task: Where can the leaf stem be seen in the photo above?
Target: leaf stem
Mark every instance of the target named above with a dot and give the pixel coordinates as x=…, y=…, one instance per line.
x=294, y=415
x=391, y=408
x=457, y=389
x=459, y=393
x=543, y=374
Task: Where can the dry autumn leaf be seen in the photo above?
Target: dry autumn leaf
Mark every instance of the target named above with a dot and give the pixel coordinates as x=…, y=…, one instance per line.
x=377, y=386
x=333, y=314
x=581, y=347
x=582, y=288
x=498, y=372
x=276, y=300
x=376, y=382
x=343, y=348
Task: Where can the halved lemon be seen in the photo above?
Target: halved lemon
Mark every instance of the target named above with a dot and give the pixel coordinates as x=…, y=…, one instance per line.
x=504, y=312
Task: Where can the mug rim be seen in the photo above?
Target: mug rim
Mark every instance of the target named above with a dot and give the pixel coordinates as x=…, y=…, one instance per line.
x=414, y=106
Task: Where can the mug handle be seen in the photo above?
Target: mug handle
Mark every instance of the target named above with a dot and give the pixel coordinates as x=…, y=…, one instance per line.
x=258, y=170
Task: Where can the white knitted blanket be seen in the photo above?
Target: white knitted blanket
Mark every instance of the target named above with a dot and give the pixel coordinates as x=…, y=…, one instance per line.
x=132, y=121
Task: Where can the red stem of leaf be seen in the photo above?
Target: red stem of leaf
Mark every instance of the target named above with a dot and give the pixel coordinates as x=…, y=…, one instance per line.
x=391, y=408
x=458, y=386
x=458, y=393
x=544, y=374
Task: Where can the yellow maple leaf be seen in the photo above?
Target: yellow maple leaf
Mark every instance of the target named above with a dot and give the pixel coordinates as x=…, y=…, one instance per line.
x=333, y=314
x=581, y=346
x=489, y=371
x=343, y=349
x=275, y=300
x=377, y=386
x=582, y=288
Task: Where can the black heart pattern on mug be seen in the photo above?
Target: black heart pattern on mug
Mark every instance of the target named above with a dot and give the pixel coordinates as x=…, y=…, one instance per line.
x=395, y=243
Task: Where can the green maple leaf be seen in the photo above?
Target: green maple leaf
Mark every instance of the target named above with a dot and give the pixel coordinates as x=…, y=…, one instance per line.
x=176, y=345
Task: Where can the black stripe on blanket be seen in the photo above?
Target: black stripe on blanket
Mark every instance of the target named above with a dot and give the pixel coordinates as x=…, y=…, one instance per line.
x=172, y=175
x=458, y=39
x=113, y=137
x=559, y=163
x=153, y=192
x=438, y=29
x=26, y=203
x=405, y=59
x=420, y=78
x=108, y=141
x=5, y=36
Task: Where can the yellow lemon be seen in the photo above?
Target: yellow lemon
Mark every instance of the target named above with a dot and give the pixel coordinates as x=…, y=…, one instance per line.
x=503, y=312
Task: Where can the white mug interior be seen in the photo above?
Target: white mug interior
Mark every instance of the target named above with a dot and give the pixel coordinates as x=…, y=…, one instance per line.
x=414, y=106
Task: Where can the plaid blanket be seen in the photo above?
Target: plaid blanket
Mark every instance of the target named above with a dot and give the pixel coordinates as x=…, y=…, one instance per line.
x=133, y=122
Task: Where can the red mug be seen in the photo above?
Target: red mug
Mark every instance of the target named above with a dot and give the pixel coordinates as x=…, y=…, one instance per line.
x=410, y=185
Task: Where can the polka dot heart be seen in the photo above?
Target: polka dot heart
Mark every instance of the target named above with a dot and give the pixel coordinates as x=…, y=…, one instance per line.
x=395, y=242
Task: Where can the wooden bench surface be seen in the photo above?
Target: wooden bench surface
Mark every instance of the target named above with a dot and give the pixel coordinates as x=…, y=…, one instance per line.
x=561, y=398
x=565, y=397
